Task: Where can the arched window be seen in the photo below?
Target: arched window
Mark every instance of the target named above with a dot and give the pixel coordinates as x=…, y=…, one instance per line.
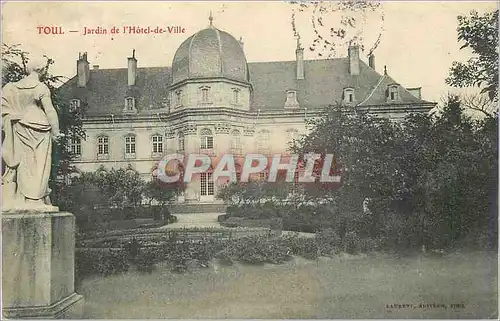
x=349, y=97
x=204, y=94
x=130, y=104
x=180, y=142
x=74, y=105
x=178, y=98
x=102, y=146
x=236, y=142
x=263, y=142
x=157, y=144
x=236, y=96
x=206, y=139
x=130, y=146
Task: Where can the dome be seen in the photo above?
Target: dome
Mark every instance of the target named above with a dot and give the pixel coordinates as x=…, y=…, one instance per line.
x=210, y=53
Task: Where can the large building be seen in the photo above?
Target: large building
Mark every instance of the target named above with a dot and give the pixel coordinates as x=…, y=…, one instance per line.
x=212, y=101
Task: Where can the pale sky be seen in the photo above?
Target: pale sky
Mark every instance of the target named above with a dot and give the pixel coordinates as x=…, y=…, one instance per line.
x=418, y=44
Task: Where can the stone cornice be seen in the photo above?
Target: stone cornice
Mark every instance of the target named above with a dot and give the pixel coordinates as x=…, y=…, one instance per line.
x=300, y=113
x=208, y=80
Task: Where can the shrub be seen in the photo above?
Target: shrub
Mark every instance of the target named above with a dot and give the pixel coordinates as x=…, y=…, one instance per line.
x=305, y=247
x=256, y=250
x=146, y=260
x=329, y=242
x=368, y=245
x=102, y=262
x=352, y=242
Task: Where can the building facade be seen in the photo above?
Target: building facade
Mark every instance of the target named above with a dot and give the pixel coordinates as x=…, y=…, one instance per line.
x=212, y=101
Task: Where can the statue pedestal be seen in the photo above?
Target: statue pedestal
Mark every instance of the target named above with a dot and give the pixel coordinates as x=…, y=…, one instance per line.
x=38, y=253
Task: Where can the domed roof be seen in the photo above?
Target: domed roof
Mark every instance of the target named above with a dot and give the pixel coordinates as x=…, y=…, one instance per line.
x=210, y=53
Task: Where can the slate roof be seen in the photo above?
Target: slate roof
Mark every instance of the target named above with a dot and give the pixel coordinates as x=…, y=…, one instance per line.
x=210, y=53
x=323, y=85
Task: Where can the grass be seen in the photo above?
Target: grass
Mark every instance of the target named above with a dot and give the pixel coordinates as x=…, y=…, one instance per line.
x=342, y=287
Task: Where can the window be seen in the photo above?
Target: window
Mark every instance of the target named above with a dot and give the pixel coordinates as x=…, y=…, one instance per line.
x=130, y=146
x=236, y=142
x=130, y=104
x=236, y=96
x=75, y=146
x=180, y=142
x=204, y=95
x=207, y=140
x=291, y=99
x=263, y=142
x=349, y=95
x=206, y=184
x=178, y=98
x=157, y=144
x=393, y=92
x=103, y=146
x=74, y=104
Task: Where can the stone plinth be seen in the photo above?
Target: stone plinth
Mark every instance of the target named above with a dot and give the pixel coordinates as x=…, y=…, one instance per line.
x=38, y=253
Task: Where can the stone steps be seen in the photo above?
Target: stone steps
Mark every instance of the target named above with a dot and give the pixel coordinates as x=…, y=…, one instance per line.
x=197, y=208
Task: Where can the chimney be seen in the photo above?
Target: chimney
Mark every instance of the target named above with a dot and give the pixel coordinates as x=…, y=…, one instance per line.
x=371, y=60
x=299, y=55
x=132, y=69
x=353, y=52
x=417, y=92
x=95, y=67
x=82, y=70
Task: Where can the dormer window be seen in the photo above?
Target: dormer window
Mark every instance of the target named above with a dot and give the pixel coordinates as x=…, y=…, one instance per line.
x=349, y=97
x=291, y=99
x=204, y=95
x=130, y=104
x=392, y=93
x=236, y=96
x=74, y=105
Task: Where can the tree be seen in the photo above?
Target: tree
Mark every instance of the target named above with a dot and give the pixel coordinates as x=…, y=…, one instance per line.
x=480, y=34
x=480, y=103
x=122, y=187
x=162, y=193
x=14, y=61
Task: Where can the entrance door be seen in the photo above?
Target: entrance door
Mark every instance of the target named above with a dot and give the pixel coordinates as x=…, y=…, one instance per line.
x=206, y=187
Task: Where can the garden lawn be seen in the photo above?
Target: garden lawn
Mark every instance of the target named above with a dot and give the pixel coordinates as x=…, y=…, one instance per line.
x=342, y=287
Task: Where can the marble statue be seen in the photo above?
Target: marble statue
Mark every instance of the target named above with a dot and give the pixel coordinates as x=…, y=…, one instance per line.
x=29, y=124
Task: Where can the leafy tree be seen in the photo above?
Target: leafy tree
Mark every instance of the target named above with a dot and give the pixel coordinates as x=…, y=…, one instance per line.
x=14, y=61
x=480, y=34
x=122, y=187
x=162, y=193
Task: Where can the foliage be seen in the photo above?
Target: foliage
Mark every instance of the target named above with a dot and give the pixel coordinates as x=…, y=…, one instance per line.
x=161, y=193
x=89, y=262
x=480, y=34
x=427, y=181
x=256, y=250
